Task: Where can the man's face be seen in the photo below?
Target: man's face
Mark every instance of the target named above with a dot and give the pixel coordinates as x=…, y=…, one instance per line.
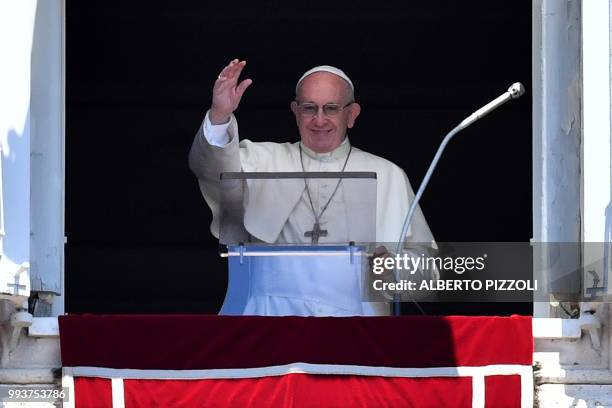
x=320, y=132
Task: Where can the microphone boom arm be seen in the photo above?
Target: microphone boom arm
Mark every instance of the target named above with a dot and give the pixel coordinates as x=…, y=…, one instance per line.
x=515, y=91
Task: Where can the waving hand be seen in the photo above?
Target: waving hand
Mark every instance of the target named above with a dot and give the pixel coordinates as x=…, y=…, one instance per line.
x=227, y=92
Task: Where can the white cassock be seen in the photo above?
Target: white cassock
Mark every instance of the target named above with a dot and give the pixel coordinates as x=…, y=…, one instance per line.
x=282, y=213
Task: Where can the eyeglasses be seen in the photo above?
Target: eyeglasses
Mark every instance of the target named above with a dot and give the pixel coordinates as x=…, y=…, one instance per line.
x=309, y=109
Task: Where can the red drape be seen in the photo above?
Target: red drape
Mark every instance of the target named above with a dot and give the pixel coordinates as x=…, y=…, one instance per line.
x=190, y=342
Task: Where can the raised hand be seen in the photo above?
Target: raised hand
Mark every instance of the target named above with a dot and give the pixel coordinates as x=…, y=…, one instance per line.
x=227, y=92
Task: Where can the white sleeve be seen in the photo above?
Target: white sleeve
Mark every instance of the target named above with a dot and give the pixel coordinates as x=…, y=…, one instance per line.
x=216, y=134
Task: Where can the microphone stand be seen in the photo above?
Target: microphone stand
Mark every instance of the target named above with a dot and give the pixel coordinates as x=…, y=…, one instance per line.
x=515, y=91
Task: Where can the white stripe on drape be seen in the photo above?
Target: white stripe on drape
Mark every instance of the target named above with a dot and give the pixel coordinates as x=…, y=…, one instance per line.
x=477, y=374
x=117, y=388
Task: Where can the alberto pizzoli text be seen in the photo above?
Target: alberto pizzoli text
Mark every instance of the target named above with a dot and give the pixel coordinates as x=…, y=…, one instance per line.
x=459, y=265
x=458, y=285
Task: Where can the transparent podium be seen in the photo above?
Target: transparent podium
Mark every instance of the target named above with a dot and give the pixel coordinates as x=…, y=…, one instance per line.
x=297, y=243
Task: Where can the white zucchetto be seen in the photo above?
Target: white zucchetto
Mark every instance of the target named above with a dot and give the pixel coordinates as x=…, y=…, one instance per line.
x=326, y=68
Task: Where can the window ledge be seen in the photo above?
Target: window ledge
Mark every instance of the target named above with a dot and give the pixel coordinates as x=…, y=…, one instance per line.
x=44, y=327
x=543, y=328
x=555, y=328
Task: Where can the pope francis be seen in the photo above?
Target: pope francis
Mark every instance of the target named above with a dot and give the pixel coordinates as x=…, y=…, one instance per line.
x=324, y=109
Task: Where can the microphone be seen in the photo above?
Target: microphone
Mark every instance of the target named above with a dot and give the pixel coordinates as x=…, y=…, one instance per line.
x=515, y=91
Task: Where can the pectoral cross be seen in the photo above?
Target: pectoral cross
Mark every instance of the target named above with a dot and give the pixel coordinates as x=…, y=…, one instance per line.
x=315, y=233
